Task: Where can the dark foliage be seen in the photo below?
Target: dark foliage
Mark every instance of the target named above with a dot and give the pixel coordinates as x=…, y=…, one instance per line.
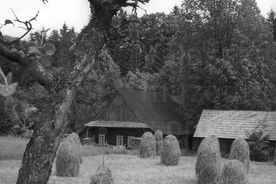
x=259, y=144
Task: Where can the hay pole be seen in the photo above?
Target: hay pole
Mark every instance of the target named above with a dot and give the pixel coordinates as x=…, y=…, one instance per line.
x=104, y=146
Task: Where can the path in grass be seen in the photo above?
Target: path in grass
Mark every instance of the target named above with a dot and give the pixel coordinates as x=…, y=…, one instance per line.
x=127, y=169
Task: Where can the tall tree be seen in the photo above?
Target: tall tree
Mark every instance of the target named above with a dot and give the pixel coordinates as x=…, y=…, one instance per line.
x=140, y=42
x=272, y=20
x=225, y=63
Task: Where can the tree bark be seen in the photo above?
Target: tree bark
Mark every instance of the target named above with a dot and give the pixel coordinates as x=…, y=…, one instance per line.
x=41, y=150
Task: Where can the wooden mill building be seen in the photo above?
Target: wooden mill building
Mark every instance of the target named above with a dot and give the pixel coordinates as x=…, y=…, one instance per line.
x=131, y=113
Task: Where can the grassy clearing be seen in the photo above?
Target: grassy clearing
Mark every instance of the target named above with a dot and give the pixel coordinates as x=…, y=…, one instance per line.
x=126, y=168
x=12, y=147
x=90, y=150
x=130, y=169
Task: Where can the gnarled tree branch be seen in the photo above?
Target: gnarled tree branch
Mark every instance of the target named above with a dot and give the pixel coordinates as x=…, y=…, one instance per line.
x=28, y=24
x=13, y=54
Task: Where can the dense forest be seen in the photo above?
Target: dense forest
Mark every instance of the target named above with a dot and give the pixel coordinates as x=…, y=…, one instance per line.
x=206, y=54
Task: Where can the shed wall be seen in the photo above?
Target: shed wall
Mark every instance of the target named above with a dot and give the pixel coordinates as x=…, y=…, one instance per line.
x=112, y=133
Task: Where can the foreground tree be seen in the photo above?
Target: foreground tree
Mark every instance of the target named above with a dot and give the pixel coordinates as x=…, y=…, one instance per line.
x=41, y=150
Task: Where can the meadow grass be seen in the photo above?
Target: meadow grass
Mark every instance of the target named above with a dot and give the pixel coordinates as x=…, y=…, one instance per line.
x=125, y=165
x=12, y=148
x=130, y=169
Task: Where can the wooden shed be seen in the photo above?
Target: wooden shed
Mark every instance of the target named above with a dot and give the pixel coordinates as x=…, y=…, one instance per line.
x=131, y=113
x=228, y=125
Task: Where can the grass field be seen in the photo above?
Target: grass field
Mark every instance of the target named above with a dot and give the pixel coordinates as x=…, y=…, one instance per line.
x=130, y=169
x=12, y=147
x=126, y=169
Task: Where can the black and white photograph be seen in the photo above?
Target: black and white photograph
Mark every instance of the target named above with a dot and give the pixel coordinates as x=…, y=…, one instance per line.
x=138, y=92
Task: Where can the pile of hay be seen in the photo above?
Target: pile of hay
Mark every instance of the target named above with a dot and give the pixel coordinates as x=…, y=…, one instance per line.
x=158, y=135
x=68, y=156
x=171, y=153
x=209, y=140
x=240, y=151
x=77, y=141
x=147, y=146
x=233, y=173
x=103, y=176
x=208, y=164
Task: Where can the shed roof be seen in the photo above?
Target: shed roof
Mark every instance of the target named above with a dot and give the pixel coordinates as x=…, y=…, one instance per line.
x=116, y=124
x=232, y=124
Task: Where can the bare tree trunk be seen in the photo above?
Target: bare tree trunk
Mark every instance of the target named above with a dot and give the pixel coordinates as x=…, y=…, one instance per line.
x=41, y=150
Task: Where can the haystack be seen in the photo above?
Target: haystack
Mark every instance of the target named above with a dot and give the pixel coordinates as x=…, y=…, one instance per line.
x=240, y=151
x=233, y=173
x=171, y=153
x=147, y=146
x=68, y=157
x=208, y=165
x=103, y=176
x=209, y=140
x=158, y=135
x=76, y=139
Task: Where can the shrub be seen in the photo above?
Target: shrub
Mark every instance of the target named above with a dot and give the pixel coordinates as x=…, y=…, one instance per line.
x=259, y=143
x=68, y=157
x=103, y=176
x=159, y=141
x=240, y=151
x=171, y=153
x=233, y=173
x=147, y=146
x=208, y=164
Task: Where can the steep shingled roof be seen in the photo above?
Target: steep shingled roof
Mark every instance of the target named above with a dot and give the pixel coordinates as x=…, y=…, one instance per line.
x=151, y=106
x=232, y=124
x=158, y=110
